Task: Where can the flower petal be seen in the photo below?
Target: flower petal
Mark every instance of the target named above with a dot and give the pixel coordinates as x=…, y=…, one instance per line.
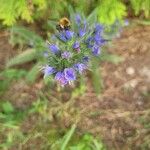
x=96, y=50
x=54, y=48
x=69, y=34
x=60, y=77
x=80, y=67
x=76, y=45
x=69, y=74
x=48, y=71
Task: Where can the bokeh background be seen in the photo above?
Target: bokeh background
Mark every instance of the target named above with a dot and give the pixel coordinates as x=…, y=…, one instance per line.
x=109, y=110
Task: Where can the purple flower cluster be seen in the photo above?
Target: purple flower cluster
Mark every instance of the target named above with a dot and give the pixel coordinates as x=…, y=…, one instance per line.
x=66, y=76
x=95, y=41
x=82, y=27
x=70, y=55
x=65, y=35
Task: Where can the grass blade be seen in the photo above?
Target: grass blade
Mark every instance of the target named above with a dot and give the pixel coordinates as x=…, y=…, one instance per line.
x=68, y=137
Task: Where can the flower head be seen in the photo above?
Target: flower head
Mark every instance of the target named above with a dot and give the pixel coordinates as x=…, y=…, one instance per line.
x=54, y=48
x=98, y=28
x=48, y=71
x=66, y=55
x=65, y=35
x=60, y=77
x=98, y=40
x=90, y=42
x=82, y=32
x=62, y=37
x=78, y=19
x=85, y=59
x=69, y=74
x=69, y=34
x=76, y=45
x=80, y=67
x=72, y=55
x=96, y=50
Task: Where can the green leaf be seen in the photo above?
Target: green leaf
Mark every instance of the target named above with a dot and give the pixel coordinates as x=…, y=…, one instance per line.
x=79, y=90
x=98, y=144
x=141, y=6
x=8, y=76
x=96, y=76
x=25, y=56
x=92, y=17
x=67, y=137
x=7, y=107
x=111, y=10
x=11, y=10
x=33, y=73
x=27, y=36
x=112, y=58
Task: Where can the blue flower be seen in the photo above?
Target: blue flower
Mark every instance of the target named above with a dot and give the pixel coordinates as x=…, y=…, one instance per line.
x=96, y=50
x=69, y=74
x=78, y=19
x=62, y=37
x=76, y=45
x=85, y=59
x=82, y=32
x=69, y=34
x=90, y=42
x=65, y=35
x=54, y=48
x=99, y=40
x=66, y=55
x=48, y=71
x=64, y=77
x=98, y=28
x=80, y=67
x=60, y=77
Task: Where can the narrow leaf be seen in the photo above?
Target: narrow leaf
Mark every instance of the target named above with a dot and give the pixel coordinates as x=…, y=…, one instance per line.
x=33, y=73
x=26, y=56
x=68, y=137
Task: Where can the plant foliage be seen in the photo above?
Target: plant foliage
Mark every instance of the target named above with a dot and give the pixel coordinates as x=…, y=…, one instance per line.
x=108, y=10
x=71, y=141
x=141, y=5
x=111, y=10
x=11, y=10
x=9, y=75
